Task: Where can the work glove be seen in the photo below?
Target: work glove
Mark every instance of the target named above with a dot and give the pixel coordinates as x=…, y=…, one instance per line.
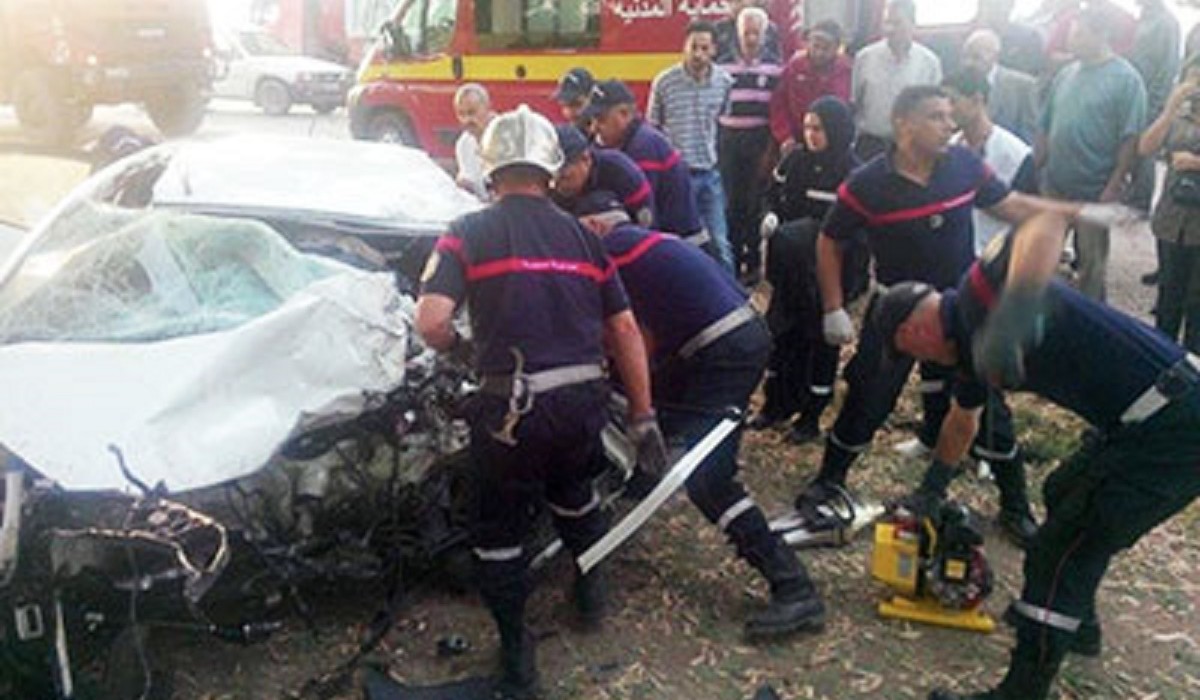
x=770, y=223
x=998, y=352
x=922, y=503
x=837, y=327
x=1106, y=214
x=650, y=447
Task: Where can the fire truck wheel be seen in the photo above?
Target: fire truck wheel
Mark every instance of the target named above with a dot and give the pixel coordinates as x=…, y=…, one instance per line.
x=177, y=111
x=273, y=96
x=326, y=107
x=391, y=126
x=40, y=101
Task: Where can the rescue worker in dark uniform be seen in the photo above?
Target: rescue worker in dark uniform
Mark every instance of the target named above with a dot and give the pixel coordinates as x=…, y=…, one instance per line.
x=1006, y=324
x=915, y=205
x=572, y=95
x=618, y=125
x=803, y=366
x=543, y=301
x=708, y=350
x=587, y=169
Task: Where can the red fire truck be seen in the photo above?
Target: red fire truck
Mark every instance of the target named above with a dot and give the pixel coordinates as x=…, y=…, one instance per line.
x=519, y=49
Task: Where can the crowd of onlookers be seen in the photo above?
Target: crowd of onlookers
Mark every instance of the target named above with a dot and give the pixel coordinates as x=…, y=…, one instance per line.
x=1077, y=102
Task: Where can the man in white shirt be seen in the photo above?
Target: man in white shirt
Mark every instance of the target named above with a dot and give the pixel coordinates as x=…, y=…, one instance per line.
x=1010, y=158
x=882, y=70
x=473, y=107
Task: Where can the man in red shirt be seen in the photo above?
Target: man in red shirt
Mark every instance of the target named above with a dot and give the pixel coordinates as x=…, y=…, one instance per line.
x=819, y=71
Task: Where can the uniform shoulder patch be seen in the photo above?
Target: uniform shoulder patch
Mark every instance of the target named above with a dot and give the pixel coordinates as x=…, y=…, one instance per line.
x=431, y=266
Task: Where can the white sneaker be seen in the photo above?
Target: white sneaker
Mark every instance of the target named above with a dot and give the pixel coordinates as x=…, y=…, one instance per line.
x=913, y=449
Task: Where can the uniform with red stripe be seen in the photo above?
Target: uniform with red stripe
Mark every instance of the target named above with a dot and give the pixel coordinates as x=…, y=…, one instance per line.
x=544, y=294
x=681, y=297
x=668, y=176
x=916, y=233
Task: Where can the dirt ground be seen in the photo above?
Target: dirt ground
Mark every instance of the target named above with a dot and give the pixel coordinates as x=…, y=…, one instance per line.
x=681, y=597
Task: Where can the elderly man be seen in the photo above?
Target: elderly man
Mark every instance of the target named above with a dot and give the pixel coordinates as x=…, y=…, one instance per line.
x=882, y=70
x=821, y=70
x=1088, y=135
x=685, y=101
x=1020, y=44
x=728, y=44
x=1007, y=324
x=746, y=141
x=473, y=107
x=1012, y=95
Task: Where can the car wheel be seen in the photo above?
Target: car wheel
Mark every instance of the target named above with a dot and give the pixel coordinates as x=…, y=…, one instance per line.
x=40, y=101
x=391, y=126
x=177, y=111
x=273, y=96
x=326, y=107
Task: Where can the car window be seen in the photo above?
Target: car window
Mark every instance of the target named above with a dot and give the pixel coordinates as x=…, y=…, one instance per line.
x=551, y=24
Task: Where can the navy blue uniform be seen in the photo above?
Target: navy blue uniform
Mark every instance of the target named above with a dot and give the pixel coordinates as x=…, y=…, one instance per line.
x=915, y=233
x=682, y=297
x=613, y=171
x=1141, y=391
x=668, y=175
x=534, y=281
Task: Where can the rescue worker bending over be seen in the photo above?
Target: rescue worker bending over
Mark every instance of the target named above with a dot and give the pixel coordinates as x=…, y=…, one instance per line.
x=542, y=296
x=587, y=169
x=1006, y=325
x=709, y=348
x=618, y=125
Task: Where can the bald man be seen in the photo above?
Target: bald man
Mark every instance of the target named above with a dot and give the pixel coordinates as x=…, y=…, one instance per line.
x=1012, y=95
x=473, y=108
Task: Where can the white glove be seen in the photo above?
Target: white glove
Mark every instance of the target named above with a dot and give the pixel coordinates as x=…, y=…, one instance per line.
x=1106, y=214
x=769, y=224
x=837, y=327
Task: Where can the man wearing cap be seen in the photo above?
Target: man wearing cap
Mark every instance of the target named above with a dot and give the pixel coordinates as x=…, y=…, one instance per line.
x=586, y=169
x=709, y=349
x=685, y=102
x=914, y=205
x=544, y=301
x=1007, y=324
x=618, y=125
x=572, y=95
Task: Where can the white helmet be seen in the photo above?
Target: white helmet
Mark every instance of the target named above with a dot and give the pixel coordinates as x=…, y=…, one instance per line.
x=521, y=137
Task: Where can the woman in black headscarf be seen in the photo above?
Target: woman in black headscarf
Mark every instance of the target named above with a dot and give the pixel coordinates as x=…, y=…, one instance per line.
x=803, y=367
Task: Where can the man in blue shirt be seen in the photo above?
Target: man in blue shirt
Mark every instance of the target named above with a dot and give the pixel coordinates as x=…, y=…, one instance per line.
x=709, y=349
x=544, y=302
x=1007, y=325
x=587, y=169
x=619, y=126
x=914, y=204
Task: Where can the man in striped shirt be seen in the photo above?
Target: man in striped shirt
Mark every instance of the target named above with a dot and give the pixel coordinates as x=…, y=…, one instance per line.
x=685, y=102
x=746, y=141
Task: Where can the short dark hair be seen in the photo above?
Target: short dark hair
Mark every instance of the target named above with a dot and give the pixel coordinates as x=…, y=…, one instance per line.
x=701, y=26
x=969, y=82
x=906, y=7
x=829, y=27
x=911, y=97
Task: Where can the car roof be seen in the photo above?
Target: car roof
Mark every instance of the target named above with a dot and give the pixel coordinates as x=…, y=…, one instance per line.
x=383, y=184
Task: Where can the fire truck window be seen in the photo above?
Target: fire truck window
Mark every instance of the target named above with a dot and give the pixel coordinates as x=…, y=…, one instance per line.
x=939, y=12
x=519, y=24
x=439, y=25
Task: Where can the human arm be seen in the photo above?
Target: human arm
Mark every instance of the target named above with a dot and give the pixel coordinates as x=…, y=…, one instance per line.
x=1126, y=159
x=1185, y=161
x=1152, y=140
x=624, y=342
x=435, y=321
x=829, y=273
x=959, y=428
x=655, y=110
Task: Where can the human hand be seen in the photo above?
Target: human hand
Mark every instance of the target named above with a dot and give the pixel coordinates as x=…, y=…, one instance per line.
x=1185, y=161
x=837, y=327
x=649, y=445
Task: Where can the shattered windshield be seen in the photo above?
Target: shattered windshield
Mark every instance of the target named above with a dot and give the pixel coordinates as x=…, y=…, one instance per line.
x=110, y=273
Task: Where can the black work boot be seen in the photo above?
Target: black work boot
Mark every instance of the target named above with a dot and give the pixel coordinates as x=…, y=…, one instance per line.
x=1030, y=673
x=795, y=604
x=518, y=667
x=591, y=597
x=805, y=429
x=1016, y=518
x=504, y=589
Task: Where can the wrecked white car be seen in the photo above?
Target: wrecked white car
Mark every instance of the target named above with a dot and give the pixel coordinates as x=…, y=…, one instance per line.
x=212, y=393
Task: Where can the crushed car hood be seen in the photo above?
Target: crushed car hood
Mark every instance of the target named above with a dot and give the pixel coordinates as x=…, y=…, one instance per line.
x=212, y=399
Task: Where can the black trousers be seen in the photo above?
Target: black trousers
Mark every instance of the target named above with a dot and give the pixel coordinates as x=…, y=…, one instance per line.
x=875, y=383
x=556, y=457
x=741, y=154
x=1101, y=501
x=1178, y=308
